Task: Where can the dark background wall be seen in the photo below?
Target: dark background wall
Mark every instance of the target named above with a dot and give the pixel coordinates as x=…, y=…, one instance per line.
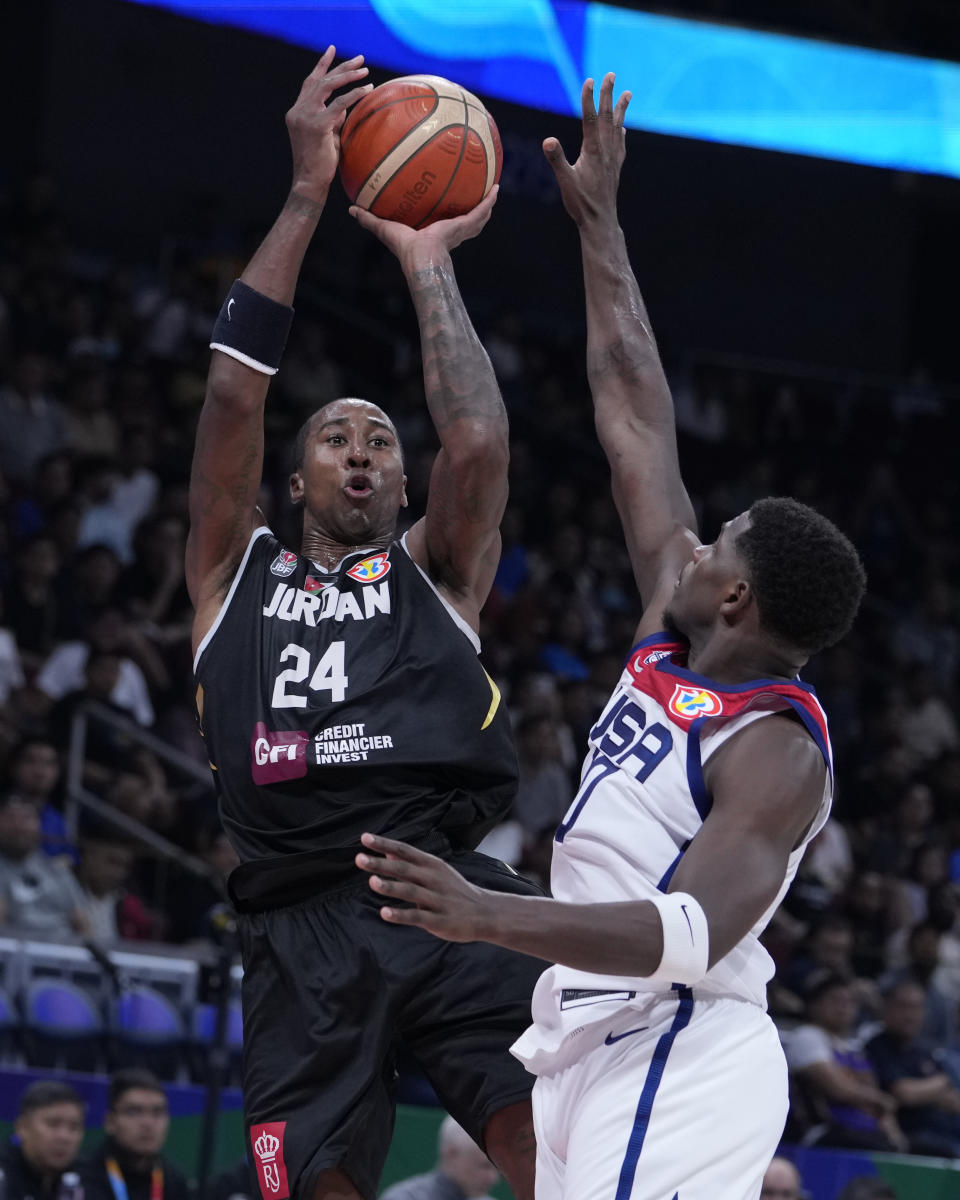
x=142, y=117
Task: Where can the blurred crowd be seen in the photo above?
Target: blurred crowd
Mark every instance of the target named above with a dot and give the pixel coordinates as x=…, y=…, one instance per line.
x=102, y=369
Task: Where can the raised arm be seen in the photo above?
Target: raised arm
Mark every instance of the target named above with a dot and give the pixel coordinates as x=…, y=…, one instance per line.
x=632, y=404
x=458, y=540
x=228, y=453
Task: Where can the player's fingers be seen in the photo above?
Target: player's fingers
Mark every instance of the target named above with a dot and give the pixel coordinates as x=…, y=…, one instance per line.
x=587, y=106
x=347, y=99
x=366, y=220
x=553, y=152
x=606, y=94
x=396, y=868
x=620, y=111
x=373, y=841
x=322, y=67
x=399, y=890
x=406, y=916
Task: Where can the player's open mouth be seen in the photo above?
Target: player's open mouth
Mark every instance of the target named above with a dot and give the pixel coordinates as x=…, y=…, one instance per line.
x=358, y=486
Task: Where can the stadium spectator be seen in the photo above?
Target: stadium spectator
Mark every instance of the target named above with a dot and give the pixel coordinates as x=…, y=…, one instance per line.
x=463, y=1171
x=37, y=894
x=131, y=1155
x=48, y=1131
x=835, y=1076
x=34, y=775
x=905, y=1064
x=64, y=672
x=31, y=418
x=31, y=602
x=782, y=1181
x=922, y=961
x=103, y=874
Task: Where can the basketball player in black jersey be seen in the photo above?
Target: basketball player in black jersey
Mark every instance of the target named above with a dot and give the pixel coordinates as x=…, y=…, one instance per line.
x=339, y=690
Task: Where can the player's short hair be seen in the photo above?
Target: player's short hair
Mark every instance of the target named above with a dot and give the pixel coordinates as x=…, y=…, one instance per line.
x=45, y=1093
x=300, y=443
x=806, y=575
x=127, y=1080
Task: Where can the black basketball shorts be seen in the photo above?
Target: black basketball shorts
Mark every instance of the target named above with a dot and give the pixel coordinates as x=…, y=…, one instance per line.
x=329, y=988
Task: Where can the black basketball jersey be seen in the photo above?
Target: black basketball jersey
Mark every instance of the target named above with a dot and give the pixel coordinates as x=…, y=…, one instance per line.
x=343, y=701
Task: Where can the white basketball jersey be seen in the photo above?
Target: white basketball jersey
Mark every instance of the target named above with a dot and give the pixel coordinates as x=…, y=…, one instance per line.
x=642, y=800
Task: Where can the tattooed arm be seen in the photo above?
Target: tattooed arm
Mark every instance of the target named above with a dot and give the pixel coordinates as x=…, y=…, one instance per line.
x=228, y=452
x=633, y=407
x=458, y=540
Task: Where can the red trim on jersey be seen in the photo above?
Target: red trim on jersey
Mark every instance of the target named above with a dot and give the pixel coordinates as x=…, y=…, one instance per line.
x=659, y=669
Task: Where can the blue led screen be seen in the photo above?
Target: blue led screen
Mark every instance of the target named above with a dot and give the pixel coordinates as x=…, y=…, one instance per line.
x=688, y=78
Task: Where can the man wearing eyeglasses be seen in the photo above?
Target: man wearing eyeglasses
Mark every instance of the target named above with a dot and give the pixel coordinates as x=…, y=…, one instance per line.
x=782, y=1182
x=129, y=1165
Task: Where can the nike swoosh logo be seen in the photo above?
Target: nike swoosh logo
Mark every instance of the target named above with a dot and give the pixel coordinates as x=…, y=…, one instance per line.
x=683, y=909
x=230, y=304
x=611, y=1037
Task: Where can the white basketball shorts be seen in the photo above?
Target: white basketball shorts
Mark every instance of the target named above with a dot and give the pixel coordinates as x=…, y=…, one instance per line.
x=670, y=1097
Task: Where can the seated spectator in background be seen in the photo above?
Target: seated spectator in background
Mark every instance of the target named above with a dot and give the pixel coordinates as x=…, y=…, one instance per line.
x=31, y=601
x=891, y=846
x=64, y=671
x=95, y=571
x=827, y=947
x=928, y=727
x=152, y=589
x=906, y=1066
x=870, y=906
x=130, y=1161
x=38, y=895
x=923, y=959
x=34, y=774
x=462, y=1171
x=48, y=1132
x=836, y=1079
x=781, y=1181
x=52, y=482
x=102, y=874
x=31, y=418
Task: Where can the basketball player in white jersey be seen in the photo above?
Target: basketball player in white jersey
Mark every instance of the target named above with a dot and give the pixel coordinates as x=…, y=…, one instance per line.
x=660, y=1075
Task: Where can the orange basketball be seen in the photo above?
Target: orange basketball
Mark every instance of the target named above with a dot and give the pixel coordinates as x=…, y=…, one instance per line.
x=418, y=149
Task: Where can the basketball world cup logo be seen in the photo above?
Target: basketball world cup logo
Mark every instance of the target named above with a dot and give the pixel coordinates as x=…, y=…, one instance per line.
x=692, y=702
x=370, y=568
x=271, y=1170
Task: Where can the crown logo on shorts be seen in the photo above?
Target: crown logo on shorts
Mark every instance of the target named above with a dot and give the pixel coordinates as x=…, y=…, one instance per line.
x=266, y=1147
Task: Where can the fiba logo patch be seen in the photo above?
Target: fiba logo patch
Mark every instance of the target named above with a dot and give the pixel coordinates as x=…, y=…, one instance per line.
x=655, y=656
x=267, y=1142
x=692, y=702
x=371, y=568
x=284, y=564
x=277, y=755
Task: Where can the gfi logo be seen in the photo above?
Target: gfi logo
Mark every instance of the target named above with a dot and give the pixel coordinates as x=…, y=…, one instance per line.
x=267, y=1141
x=278, y=754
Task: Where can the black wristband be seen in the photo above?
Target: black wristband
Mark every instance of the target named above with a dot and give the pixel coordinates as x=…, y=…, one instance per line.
x=252, y=328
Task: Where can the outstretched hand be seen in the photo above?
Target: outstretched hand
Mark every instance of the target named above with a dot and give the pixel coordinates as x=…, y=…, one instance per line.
x=315, y=121
x=589, y=186
x=440, y=900
x=402, y=240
